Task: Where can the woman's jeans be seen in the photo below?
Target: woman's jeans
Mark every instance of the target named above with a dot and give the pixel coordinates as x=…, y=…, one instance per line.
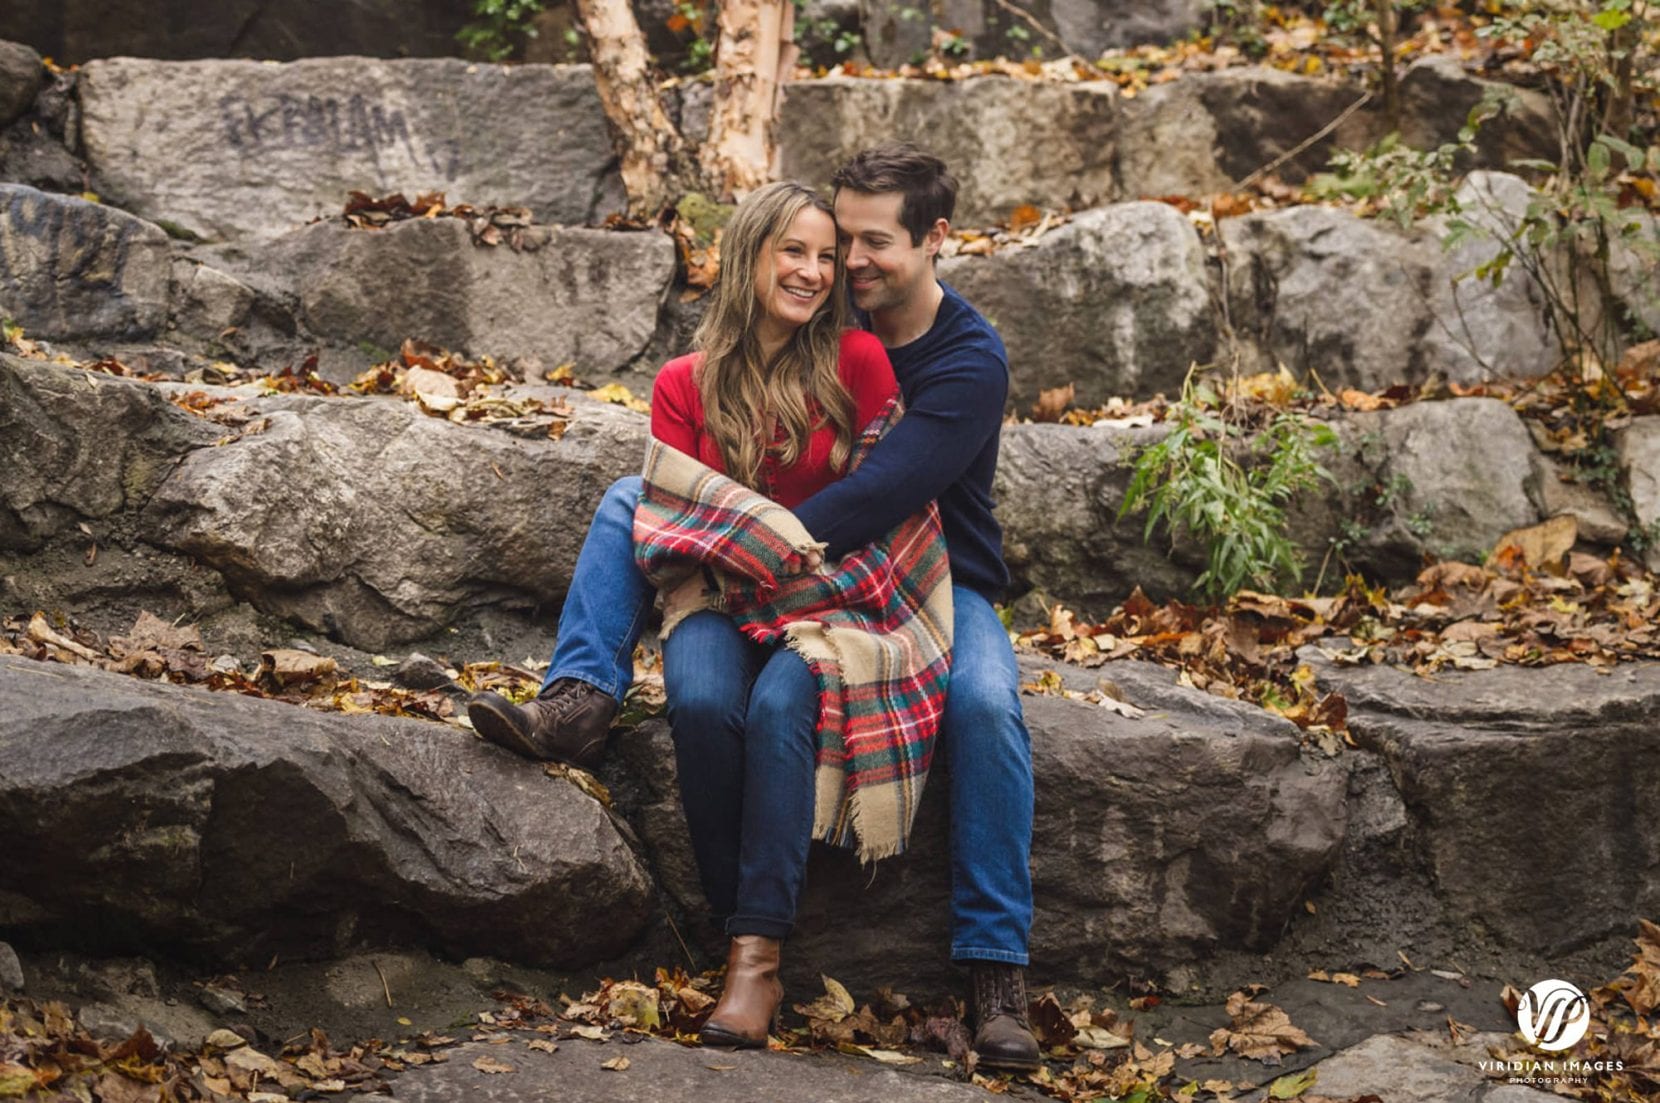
x=744, y=718
x=983, y=741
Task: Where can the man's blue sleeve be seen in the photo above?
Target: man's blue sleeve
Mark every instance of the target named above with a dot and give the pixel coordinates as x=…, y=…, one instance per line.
x=948, y=420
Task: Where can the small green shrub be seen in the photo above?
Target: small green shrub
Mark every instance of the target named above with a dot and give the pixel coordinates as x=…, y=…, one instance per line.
x=1192, y=482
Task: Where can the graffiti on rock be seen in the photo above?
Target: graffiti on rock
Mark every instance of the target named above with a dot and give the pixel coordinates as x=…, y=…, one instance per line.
x=355, y=124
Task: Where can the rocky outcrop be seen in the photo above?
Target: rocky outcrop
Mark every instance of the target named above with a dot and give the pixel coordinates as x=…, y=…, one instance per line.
x=895, y=32
x=73, y=268
x=228, y=149
x=1638, y=447
x=1158, y=842
x=1208, y=131
x=21, y=75
x=1364, y=304
x=1057, y=483
x=375, y=523
x=359, y=517
x=1438, y=95
x=144, y=815
x=1008, y=142
x=75, y=31
x=1522, y=790
x=587, y=297
x=1117, y=302
x=1443, y=479
x=1429, y=480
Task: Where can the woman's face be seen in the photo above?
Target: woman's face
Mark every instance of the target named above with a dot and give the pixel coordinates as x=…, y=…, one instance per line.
x=796, y=272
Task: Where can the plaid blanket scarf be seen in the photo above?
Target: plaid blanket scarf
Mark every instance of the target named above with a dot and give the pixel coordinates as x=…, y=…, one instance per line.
x=875, y=628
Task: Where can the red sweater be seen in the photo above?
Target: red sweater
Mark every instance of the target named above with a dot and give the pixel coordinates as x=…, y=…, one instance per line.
x=677, y=417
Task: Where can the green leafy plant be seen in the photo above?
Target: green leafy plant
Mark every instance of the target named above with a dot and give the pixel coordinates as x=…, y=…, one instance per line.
x=1208, y=479
x=499, y=28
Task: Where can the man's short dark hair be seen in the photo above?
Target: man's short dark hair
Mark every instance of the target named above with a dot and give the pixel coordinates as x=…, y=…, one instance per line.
x=930, y=191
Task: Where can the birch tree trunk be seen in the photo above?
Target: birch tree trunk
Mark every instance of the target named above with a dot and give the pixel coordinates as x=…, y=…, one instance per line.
x=652, y=151
x=753, y=58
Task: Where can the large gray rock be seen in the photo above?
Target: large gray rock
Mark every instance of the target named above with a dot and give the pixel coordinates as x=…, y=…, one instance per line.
x=142, y=814
x=70, y=268
x=1634, y=265
x=1207, y=132
x=371, y=521
x=1158, y=842
x=227, y=149
x=1438, y=94
x=571, y=294
x=1638, y=448
x=1117, y=301
x=896, y=31
x=21, y=75
x=80, y=30
x=1441, y=480
x=1526, y=790
x=1438, y=478
x=1007, y=141
x=361, y=517
x=1088, y=27
x=1058, y=490
x=1367, y=305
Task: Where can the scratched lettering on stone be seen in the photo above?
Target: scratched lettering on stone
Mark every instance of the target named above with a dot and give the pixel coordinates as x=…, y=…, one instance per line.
x=355, y=124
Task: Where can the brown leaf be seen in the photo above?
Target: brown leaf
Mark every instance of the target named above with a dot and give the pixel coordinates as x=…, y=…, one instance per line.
x=1542, y=544
x=1259, y=1031
x=488, y=1064
x=288, y=667
x=1052, y=403
x=615, y=1064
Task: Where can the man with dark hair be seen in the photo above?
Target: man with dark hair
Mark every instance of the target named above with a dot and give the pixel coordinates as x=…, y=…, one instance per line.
x=893, y=211
x=893, y=208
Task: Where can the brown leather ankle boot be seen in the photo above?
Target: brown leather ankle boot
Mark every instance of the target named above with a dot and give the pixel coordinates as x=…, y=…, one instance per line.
x=1003, y=1035
x=567, y=722
x=749, y=1002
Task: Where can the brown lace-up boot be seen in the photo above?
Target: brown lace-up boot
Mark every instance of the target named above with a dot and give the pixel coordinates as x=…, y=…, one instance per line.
x=567, y=722
x=1003, y=1035
x=749, y=1002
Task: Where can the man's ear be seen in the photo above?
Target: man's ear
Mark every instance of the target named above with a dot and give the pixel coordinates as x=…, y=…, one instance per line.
x=935, y=237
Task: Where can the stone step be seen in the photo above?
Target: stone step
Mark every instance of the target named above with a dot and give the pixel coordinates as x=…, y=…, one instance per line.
x=231, y=149
x=146, y=817
x=1122, y=300
x=377, y=524
x=1198, y=845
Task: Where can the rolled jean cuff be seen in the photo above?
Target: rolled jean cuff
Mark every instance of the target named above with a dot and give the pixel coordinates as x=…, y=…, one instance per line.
x=968, y=955
x=756, y=924
x=607, y=686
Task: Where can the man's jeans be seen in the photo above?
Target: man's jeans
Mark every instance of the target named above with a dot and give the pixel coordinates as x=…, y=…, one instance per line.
x=983, y=743
x=744, y=717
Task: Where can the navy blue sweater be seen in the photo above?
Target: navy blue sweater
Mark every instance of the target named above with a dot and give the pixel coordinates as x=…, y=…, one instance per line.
x=955, y=379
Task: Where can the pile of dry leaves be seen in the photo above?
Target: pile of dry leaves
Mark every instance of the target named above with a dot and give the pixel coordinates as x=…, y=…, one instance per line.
x=44, y=1053
x=157, y=650
x=488, y=225
x=1535, y=603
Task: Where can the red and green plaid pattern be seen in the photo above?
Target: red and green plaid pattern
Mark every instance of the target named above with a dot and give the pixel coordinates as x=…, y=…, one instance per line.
x=875, y=628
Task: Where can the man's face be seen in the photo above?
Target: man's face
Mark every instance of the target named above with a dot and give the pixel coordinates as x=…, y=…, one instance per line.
x=884, y=270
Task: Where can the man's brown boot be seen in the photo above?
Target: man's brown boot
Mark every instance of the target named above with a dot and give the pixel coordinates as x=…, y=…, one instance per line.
x=1003, y=1035
x=567, y=722
x=749, y=1002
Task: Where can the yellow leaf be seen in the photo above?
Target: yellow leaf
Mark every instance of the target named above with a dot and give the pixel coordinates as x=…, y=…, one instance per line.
x=619, y=395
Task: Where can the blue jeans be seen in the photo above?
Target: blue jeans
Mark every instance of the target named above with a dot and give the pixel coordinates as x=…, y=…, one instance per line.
x=743, y=717
x=983, y=741
x=605, y=611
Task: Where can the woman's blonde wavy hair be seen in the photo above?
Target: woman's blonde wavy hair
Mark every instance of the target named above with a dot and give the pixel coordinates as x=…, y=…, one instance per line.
x=801, y=388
